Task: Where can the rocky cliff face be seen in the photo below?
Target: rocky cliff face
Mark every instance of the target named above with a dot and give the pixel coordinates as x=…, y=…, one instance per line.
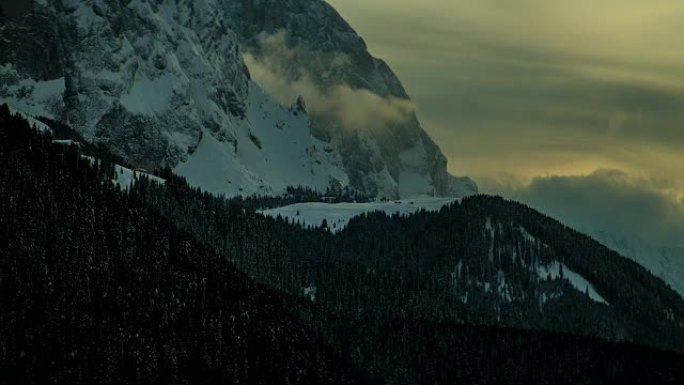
x=320, y=55
x=146, y=77
x=164, y=83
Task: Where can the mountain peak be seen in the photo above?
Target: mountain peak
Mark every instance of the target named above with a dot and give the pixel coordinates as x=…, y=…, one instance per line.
x=162, y=82
x=307, y=46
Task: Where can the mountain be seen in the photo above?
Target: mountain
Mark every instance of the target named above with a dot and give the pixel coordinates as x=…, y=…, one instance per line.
x=307, y=47
x=97, y=287
x=164, y=84
x=664, y=262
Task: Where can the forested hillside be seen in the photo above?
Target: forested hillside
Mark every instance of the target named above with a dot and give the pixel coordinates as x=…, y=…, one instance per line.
x=483, y=261
x=97, y=287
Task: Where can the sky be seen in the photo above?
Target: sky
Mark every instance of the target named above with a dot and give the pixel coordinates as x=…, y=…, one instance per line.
x=576, y=108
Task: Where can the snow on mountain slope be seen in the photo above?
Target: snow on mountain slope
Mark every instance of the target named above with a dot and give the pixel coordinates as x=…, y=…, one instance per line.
x=338, y=215
x=306, y=47
x=163, y=83
x=32, y=120
x=274, y=149
x=124, y=177
x=556, y=270
x=31, y=97
x=663, y=262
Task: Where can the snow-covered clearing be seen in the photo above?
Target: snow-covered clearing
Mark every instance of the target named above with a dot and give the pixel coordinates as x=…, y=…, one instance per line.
x=338, y=215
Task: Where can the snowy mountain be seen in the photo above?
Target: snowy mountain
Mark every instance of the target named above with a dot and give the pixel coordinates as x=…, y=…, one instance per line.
x=164, y=84
x=666, y=263
x=306, y=47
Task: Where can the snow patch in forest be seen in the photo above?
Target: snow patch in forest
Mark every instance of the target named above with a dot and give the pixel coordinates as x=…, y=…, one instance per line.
x=125, y=177
x=553, y=271
x=67, y=142
x=310, y=293
x=338, y=215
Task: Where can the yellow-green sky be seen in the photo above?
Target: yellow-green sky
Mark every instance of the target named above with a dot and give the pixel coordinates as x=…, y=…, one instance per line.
x=527, y=93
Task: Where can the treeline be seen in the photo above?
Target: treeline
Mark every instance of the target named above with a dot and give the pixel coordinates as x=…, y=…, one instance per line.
x=333, y=194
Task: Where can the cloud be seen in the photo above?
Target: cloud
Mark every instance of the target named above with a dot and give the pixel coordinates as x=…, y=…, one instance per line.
x=271, y=66
x=537, y=87
x=616, y=122
x=607, y=200
x=616, y=38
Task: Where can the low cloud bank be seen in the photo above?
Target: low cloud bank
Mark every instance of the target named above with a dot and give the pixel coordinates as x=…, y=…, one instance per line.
x=608, y=200
x=274, y=67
